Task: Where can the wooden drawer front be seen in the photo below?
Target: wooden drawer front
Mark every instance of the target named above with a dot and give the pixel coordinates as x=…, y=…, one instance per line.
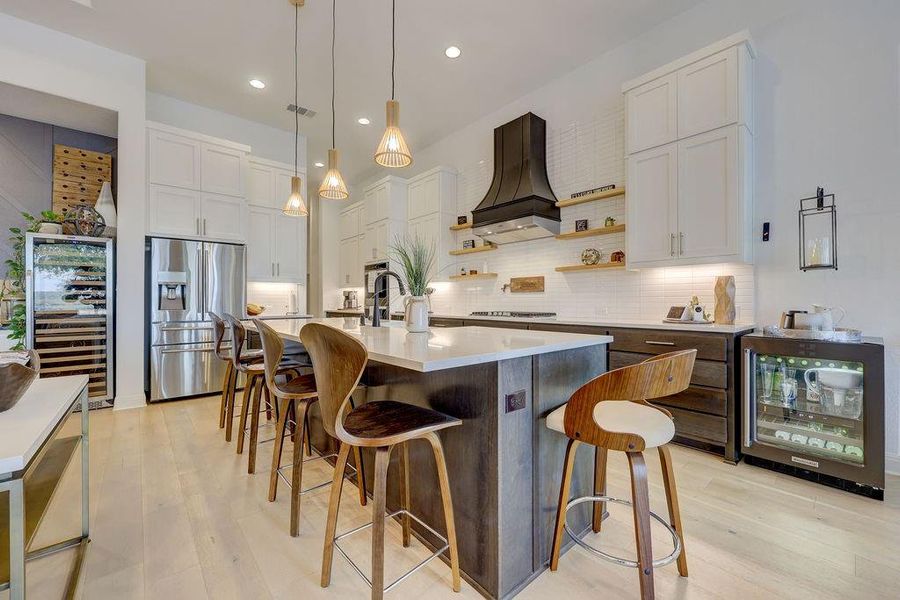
x=706, y=400
x=698, y=426
x=706, y=372
x=588, y=329
x=654, y=341
x=497, y=324
x=443, y=322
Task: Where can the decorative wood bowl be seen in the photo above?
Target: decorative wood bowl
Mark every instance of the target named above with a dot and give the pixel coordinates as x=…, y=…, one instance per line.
x=15, y=380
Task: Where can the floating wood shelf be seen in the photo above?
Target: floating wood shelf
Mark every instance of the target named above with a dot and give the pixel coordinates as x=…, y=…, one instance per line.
x=476, y=276
x=609, y=265
x=590, y=232
x=460, y=227
x=484, y=248
x=591, y=197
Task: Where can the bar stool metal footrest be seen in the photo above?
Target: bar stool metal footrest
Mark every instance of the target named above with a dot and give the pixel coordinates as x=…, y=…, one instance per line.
x=284, y=478
x=403, y=577
x=617, y=559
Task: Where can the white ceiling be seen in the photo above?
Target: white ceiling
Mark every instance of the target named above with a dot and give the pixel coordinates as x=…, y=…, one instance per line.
x=204, y=51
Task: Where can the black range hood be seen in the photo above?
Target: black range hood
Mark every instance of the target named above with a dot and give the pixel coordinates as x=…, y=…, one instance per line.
x=520, y=205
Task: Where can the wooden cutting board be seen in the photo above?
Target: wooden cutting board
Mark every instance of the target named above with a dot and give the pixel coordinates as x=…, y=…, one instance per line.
x=526, y=284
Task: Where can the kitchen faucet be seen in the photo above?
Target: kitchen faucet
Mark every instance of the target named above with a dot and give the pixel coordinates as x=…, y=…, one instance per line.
x=381, y=287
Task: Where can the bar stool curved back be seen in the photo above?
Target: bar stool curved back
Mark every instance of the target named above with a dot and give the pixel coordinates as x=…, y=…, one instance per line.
x=230, y=378
x=339, y=360
x=612, y=412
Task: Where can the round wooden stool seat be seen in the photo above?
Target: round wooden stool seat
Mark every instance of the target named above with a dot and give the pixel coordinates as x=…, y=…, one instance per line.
x=655, y=427
x=389, y=422
x=299, y=386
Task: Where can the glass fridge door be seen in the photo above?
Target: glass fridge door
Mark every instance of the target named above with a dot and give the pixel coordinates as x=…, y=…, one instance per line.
x=68, y=313
x=809, y=406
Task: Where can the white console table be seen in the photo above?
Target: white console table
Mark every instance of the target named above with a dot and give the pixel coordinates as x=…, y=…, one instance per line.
x=33, y=458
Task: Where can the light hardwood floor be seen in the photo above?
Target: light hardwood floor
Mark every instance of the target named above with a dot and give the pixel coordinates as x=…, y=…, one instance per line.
x=175, y=515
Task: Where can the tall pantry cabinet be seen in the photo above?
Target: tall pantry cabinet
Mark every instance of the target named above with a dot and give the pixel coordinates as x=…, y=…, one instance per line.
x=690, y=158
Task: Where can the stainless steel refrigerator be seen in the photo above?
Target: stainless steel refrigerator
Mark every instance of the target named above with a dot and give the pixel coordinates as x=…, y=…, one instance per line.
x=186, y=280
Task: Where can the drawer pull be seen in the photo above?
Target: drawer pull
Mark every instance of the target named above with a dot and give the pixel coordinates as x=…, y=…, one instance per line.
x=654, y=343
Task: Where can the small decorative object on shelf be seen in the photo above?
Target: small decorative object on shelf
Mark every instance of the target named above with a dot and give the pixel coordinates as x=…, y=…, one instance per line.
x=591, y=256
x=604, y=188
x=609, y=222
x=462, y=220
x=697, y=312
x=581, y=225
x=468, y=244
x=86, y=221
x=462, y=271
x=724, y=290
x=107, y=209
x=818, y=232
x=617, y=257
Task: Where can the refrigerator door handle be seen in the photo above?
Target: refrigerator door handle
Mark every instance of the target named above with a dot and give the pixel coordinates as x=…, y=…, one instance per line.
x=747, y=402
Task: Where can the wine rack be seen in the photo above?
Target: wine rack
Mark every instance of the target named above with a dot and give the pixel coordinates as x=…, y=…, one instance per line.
x=69, y=299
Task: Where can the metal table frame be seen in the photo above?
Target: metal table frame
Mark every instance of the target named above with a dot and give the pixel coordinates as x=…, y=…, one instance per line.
x=14, y=483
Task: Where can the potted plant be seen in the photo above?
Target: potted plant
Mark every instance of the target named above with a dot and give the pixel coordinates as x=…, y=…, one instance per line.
x=416, y=258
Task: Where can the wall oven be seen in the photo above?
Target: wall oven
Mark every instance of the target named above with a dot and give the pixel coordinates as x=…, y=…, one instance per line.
x=815, y=409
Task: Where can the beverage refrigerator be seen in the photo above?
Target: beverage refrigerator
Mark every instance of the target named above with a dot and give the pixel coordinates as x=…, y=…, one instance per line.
x=815, y=409
x=69, y=302
x=185, y=281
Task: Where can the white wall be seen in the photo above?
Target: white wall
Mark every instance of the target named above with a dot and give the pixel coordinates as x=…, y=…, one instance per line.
x=267, y=142
x=48, y=61
x=828, y=113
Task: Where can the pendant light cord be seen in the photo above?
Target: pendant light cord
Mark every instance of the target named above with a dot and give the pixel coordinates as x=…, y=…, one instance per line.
x=296, y=86
x=333, y=28
x=393, y=42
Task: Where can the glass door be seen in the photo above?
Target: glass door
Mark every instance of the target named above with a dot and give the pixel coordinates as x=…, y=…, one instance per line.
x=809, y=406
x=69, y=308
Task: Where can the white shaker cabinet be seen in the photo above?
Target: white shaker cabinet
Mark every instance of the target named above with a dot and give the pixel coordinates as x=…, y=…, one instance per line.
x=350, y=265
x=350, y=222
x=222, y=170
x=385, y=199
x=174, y=160
x=222, y=217
x=652, y=205
x=652, y=119
x=379, y=238
x=173, y=211
x=276, y=245
x=690, y=200
x=269, y=182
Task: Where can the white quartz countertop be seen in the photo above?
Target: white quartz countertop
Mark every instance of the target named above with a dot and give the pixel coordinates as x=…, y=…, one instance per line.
x=25, y=427
x=445, y=348
x=635, y=323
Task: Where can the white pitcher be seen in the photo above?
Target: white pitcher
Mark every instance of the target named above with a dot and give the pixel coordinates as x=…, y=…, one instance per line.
x=416, y=314
x=827, y=319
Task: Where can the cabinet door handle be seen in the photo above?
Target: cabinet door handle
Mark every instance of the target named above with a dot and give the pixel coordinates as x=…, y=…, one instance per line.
x=204, y=226
x=273, y=269
x=198, y=225
x=655, y=343
x=681, y=243
x=672, y=244
x=278, y=269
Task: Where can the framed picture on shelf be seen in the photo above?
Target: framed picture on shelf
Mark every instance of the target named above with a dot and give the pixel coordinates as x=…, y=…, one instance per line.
x=468, y=244
x=581, y=225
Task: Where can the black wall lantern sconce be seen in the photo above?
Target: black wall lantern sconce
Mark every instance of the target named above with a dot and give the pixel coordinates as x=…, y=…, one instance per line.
x=818, y=232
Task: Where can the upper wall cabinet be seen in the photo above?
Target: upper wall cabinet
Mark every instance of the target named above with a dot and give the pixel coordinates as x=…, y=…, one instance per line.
x=652, y=117
x=705, y=90
x=174, y=160
x=385, y=199
x=269, y=182
x=222, y=170
x=690, y=199
x=432, y=192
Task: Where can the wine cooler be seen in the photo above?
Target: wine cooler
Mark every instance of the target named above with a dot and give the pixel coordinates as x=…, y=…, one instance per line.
x=69, y=300
x=815, y=409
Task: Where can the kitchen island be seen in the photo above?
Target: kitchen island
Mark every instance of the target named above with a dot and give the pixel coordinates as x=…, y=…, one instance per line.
x=504, y=464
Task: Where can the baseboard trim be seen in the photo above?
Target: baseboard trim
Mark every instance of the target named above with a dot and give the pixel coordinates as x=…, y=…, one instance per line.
x=892, y=464
x=128, y=401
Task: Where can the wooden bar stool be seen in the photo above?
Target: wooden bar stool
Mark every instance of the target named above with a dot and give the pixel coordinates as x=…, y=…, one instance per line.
x=295, y=397
x=338, y=361
x=611, y=412
x=229, y=382
x=254, y=389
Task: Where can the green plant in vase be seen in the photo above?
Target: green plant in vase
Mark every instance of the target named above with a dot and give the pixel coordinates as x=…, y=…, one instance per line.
x=416, y=259
x=15, y=273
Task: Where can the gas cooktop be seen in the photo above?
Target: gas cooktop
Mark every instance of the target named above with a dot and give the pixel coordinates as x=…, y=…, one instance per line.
x=513, y=313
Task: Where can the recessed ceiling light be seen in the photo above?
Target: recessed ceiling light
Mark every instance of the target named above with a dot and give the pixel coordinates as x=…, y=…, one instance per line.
x=320, y=164
x=452, y=52
x=257, y=83
x=363, y=121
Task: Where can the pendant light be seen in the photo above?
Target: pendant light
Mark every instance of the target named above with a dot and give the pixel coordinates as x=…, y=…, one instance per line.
x=393, y=151
x=333, y=184
x=295, y=206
